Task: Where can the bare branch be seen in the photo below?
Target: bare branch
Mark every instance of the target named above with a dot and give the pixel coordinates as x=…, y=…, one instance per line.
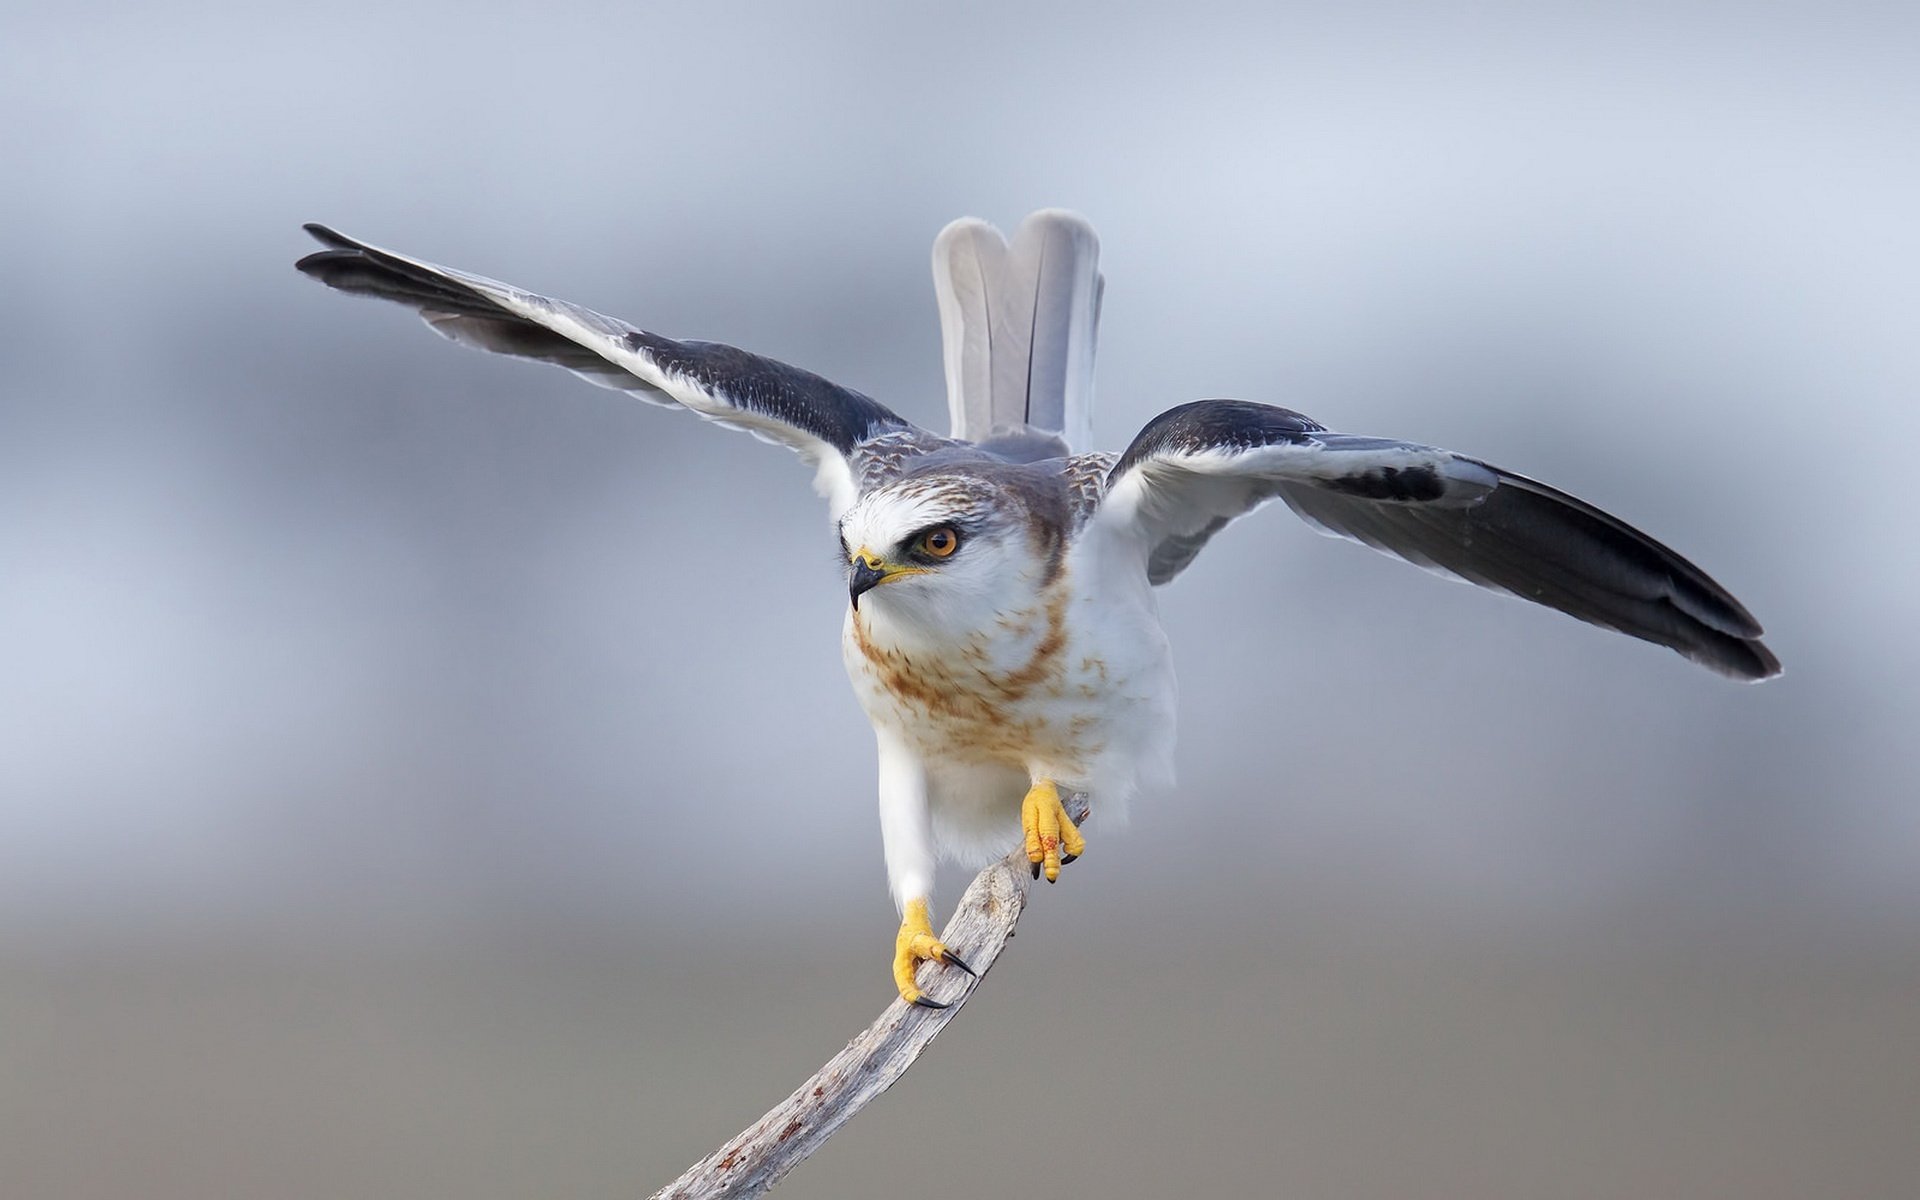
x=761, y=1155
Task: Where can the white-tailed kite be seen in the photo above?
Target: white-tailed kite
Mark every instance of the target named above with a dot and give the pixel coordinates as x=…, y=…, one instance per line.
x=1002, y=632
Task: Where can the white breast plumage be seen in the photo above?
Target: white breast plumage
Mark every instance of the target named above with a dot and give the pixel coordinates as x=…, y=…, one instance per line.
x=1021, y=692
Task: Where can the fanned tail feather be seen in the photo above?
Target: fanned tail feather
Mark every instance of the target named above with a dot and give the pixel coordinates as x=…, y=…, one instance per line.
x=1019, y=323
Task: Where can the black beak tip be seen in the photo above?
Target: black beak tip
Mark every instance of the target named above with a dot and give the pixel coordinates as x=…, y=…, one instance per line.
x=862, y=578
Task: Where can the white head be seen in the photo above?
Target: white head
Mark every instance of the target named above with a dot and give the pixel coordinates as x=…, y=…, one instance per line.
x=941, y=554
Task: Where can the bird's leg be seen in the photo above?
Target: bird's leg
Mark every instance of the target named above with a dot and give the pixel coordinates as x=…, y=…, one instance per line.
x=915, y=945
x=906, y=829
x=1049, y=830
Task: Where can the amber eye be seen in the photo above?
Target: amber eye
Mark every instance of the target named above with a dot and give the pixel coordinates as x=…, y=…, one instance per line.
x=940, y=543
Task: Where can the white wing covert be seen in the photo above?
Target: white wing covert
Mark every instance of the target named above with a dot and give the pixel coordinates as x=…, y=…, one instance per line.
x=1194, y=468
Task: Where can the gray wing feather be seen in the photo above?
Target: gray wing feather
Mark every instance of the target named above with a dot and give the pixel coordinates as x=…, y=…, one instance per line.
x=1197, y=467
x=775, y=402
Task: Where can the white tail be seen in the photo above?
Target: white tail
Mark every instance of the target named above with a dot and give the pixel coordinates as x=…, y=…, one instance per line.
x=1018, y=323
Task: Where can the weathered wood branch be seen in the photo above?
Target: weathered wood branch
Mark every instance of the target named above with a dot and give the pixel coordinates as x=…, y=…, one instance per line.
x=761, y=1154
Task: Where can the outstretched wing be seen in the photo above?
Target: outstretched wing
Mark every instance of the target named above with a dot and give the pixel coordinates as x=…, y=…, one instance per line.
x=820, y=420
x=1196, y=467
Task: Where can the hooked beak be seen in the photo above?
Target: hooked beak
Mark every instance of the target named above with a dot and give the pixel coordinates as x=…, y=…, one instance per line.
x=868, y=570
x=864, y=574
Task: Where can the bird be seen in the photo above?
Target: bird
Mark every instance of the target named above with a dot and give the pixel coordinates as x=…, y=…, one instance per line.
x=1002, y=632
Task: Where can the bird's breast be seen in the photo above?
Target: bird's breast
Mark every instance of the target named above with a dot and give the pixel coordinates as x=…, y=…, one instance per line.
x=1019, y=690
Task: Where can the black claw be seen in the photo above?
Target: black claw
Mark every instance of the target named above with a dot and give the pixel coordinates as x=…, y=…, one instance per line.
x=1036, y=870
x=955, y=960
x=923, y=1002
x=1067, y=858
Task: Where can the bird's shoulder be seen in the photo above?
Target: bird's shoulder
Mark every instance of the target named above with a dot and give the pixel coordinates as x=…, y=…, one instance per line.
x=894, y=454
x=885, y=457
x=1085, y=476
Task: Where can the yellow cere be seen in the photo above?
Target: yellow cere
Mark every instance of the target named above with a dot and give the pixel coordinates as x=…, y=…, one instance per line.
x=888, y=571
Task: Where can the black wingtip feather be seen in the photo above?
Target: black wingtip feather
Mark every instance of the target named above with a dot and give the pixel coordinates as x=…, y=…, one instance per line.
x=360, y=270
x=317, y=263
x=328, y=237
x=1745, y=661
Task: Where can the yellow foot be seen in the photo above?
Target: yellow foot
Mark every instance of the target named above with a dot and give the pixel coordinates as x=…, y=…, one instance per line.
x=1049, y=831
x=915, y=945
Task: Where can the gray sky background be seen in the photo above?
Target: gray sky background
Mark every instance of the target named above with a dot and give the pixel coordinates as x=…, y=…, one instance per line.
x=315, y=629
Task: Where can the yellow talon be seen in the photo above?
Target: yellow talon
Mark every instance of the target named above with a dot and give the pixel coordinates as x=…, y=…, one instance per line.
x=1049, y=829
x=914, y=945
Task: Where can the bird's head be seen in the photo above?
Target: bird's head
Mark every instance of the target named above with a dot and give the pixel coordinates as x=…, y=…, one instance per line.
x=947, y=551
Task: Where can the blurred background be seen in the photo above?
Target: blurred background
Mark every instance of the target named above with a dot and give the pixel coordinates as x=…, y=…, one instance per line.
x=425, y=774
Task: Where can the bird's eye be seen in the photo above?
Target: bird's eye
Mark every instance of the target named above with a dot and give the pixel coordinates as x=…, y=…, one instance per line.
x=940, y=543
